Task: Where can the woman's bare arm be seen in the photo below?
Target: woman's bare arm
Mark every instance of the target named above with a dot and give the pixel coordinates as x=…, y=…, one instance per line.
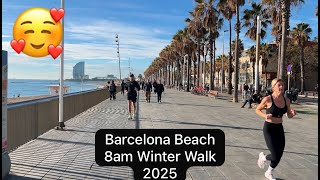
x=261, y=106
x=290, y=112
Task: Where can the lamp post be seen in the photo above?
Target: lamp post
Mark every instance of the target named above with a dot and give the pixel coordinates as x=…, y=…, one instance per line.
x=256, y=87
x=117, y=41
x=61, y=89
x=222, y=69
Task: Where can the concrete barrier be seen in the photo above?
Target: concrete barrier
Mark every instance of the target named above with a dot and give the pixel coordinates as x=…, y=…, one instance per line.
x=29, y=119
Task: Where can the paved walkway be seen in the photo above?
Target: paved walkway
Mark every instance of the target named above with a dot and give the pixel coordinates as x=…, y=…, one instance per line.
x=69, y=154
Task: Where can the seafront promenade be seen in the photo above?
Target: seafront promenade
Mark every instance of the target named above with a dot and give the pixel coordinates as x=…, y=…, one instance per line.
x=69, y=154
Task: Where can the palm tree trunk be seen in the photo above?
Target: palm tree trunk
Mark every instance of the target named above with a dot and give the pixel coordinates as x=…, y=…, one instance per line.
x=198, y=73
x=178, y=71
x=204, y=67
x=219, y=78
x=279, y=59
x=214, y=61
x=166, y=74
x=230, y=62
x=279, y=50
x=285, y=8
x=211, y=58
x=194, y=73
x=188, y=73
x=235, y=95
x=302, y=69
x=169, y=74
x=172, y=71
x=253, y=72
x=265, y=71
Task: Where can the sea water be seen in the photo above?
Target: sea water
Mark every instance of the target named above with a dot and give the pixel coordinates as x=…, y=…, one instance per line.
x=33, y=87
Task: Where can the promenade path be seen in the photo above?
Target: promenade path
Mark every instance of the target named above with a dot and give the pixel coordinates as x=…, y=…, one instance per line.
x=69, y=154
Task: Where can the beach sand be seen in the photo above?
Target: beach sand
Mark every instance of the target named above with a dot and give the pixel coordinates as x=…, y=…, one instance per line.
x=21, y=99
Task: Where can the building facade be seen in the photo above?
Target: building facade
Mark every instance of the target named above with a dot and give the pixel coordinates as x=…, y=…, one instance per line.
x=78, y=71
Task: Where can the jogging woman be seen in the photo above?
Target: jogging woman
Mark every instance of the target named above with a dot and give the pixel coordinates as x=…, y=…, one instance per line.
x=276, y=106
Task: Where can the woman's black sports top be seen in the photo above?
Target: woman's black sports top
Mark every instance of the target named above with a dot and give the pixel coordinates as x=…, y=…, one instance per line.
x=276, y=111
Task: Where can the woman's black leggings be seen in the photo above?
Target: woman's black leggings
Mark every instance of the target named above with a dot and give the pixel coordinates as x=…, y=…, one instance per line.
x=274, y=136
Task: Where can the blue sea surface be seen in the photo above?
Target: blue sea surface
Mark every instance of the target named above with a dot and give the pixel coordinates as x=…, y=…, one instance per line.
x=33, y=87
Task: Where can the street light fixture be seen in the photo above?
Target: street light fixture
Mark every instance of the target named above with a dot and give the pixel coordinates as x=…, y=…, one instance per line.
x=117, y=41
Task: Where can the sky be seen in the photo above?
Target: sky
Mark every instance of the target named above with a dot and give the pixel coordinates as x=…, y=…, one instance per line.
x=144, y=27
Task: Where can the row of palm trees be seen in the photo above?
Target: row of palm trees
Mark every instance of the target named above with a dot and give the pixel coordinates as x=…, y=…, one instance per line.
x=198, y=39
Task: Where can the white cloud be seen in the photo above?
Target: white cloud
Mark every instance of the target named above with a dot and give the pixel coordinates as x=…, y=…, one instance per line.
x=5, y=36
x=135, y=41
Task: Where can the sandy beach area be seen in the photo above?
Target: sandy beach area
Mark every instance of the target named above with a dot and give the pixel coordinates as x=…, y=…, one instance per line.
x=21, y=99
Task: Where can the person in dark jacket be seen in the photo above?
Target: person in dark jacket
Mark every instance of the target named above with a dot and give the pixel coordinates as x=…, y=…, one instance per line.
x=142, y=85
x=159, y=89
x=112, y=90
x=148, y=91
x=123, y=84
x=154, y=86
x=132, y=87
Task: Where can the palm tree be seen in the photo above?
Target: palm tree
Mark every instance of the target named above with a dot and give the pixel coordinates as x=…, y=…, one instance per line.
x=178, y=45
x=227, y=12
x=219, y=65
x=274, y=11
x=252, y=58
x=196, y=29
x=236, y=4
x=265, y=53
x=285, y=6
x=187, y=49
x=212, y=23
x=240, y=45
x=250, y=20
x=285, y=17
x=300, y=35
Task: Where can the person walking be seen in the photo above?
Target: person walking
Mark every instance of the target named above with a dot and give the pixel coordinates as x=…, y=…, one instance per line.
x=112, y=90
x=154, y=86
x=248, y=100
x=245, y=93
x=142, y=85
x=159, y=89
x=148, y=91
x=123, y=84
x=276, y=106
x=132, y=87
x=252, y=98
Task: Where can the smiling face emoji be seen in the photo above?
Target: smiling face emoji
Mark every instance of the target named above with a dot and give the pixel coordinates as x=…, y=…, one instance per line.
x=39, y=30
